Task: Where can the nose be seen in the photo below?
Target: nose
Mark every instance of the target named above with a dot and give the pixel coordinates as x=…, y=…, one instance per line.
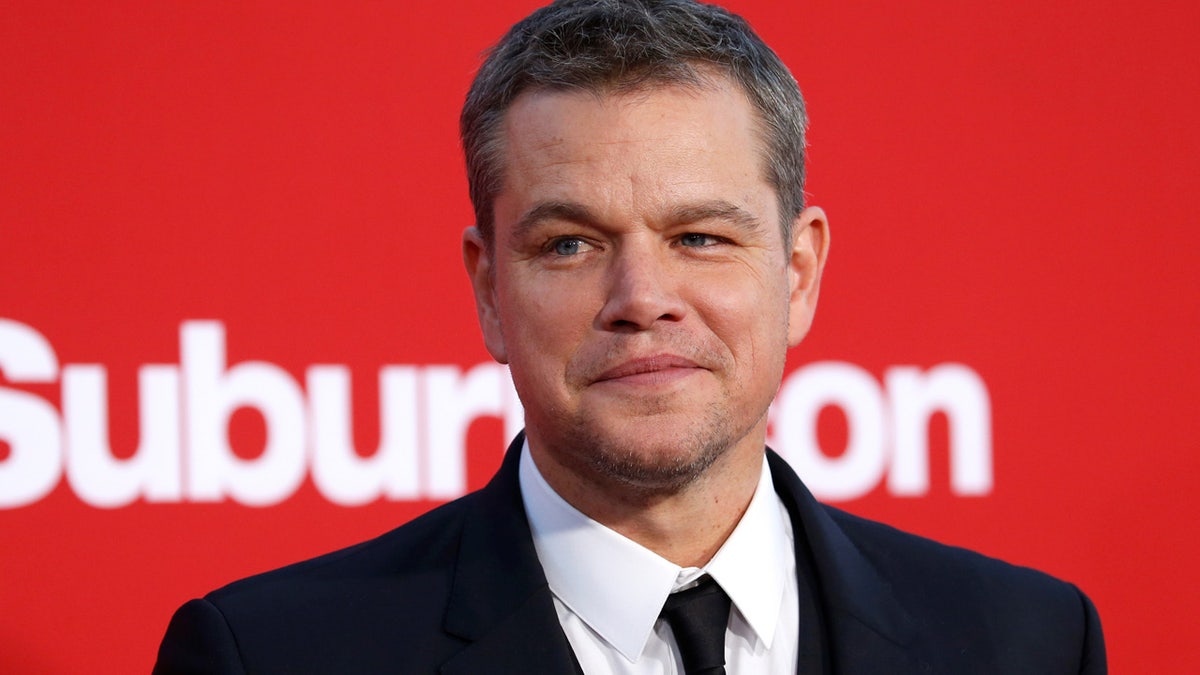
x=642, y=290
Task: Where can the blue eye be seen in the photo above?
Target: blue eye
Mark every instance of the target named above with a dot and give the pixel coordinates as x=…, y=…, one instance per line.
x=694, y=239
x=567, y=246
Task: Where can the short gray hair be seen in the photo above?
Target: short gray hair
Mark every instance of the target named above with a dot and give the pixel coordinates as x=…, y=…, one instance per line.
x=622, y=45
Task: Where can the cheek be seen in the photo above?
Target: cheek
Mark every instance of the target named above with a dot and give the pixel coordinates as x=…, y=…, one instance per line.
x=543, y=317
x=750, y=318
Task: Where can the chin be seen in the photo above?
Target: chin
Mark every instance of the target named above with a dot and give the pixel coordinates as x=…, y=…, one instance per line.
x=655, y=456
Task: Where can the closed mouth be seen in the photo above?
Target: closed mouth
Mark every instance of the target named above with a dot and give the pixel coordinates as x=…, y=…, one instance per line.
x=650, y=365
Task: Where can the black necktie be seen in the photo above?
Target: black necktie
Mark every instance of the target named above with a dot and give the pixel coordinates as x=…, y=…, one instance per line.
x=698, y=617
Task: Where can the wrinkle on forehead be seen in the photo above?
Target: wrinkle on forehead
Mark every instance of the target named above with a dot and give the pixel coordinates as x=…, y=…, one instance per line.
x=615, y=98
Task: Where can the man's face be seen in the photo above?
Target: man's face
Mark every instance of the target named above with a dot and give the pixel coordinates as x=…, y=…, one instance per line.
x=639, y=287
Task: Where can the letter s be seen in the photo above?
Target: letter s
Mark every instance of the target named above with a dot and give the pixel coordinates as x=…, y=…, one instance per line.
x=29, y=424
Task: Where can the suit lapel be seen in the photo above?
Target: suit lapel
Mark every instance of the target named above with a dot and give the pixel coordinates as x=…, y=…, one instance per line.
x=868, y=630
x=500, y=601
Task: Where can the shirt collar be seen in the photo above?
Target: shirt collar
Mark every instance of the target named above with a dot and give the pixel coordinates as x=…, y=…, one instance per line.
x=753, y=563
x=617, y=587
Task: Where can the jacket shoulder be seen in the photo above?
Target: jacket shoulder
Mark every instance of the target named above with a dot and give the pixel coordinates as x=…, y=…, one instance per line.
x=424, y=543
x=353, y=610
x=1022, y=615
x=920, y=560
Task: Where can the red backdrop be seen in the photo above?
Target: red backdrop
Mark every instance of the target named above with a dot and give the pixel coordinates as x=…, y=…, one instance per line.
x=1010, y=190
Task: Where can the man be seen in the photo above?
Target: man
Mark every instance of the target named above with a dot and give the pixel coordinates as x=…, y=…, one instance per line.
x=642, y=259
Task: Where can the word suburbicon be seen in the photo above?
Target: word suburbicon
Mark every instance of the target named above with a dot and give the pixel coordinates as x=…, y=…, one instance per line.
x=184, y=454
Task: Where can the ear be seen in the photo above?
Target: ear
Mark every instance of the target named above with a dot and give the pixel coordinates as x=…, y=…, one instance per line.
x=481, y=270
x=810, y=246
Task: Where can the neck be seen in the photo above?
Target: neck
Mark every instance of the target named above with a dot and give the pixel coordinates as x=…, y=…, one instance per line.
x=684, y=524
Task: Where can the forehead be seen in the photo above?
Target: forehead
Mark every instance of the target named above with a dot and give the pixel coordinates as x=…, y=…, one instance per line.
x=565, y=118
x=661, y=142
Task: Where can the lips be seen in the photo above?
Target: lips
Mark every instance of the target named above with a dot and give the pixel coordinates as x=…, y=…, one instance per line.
x=650, y=367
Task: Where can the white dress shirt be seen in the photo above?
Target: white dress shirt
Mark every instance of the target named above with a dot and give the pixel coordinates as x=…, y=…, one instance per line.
x=608, y=590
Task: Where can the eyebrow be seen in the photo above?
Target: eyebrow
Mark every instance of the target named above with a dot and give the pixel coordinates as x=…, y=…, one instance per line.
x=543, y=211
x=714, y=209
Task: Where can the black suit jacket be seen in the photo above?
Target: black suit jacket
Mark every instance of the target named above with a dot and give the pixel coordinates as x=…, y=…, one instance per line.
x=460, y=591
